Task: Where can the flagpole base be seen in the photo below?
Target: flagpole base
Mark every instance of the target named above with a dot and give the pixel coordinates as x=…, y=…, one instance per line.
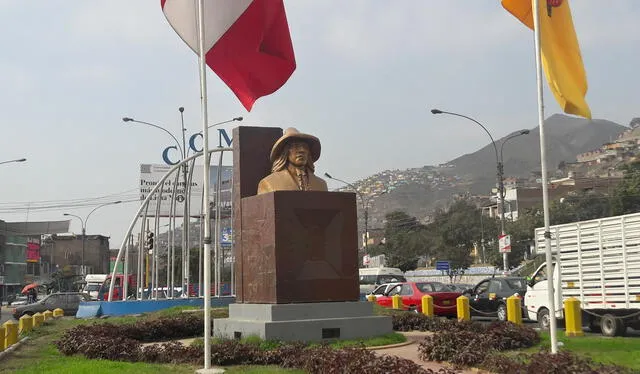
x=210, y=371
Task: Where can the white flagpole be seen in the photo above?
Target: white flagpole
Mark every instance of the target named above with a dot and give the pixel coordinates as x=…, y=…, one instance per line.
x=545, y=189
x=207, y=215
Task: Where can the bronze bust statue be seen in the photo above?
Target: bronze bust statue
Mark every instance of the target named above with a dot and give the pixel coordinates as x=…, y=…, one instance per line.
x=292, y=158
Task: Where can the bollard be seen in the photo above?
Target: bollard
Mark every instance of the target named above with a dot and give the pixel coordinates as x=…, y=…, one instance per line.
x=11, y=331
x=38, y=318
x=396, y=301
x=514, y=309
x=25, y=324
x=47, y=315
x=371, y=298
x=573, y=317
x=58, y=312
x=2, y=338
x=427, y=305
x=462, y=303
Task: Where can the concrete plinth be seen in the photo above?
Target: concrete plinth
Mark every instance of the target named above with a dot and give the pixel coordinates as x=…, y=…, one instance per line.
x=302, y=322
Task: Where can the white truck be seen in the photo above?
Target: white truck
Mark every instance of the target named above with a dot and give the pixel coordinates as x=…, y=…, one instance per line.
x=93, y=283
x=597, y=262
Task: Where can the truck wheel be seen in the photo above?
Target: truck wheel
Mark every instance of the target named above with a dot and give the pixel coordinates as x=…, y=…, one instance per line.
x=612, y=326
x=502, y=312
x=543, y=319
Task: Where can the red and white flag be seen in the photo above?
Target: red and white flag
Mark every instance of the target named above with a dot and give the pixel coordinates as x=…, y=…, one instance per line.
x=247, y=42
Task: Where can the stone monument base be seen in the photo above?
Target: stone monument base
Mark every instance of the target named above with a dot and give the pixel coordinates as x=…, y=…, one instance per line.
x=309, y=322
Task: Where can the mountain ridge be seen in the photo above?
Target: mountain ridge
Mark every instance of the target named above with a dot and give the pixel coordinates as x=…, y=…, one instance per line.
x=419, y=191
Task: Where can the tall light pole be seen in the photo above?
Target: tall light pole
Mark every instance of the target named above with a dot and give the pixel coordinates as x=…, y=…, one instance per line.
x=184, y=152
x=500, y=177
x=501, y=188
x=10, y=161
x=83, y=222
x=365, y=207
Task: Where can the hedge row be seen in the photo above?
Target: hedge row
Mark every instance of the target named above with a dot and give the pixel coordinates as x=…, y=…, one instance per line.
x=123, y=343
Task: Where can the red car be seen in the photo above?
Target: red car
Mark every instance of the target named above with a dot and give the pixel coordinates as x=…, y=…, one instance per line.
x=444, y=299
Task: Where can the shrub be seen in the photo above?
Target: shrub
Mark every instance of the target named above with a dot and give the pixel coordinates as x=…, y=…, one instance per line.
x=469, y=343
x=416, y=322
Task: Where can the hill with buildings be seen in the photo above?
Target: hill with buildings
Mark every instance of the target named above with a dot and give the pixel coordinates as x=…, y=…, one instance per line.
x=419, y=191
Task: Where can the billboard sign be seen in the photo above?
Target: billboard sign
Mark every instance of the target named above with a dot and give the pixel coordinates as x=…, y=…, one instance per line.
x=150, y=175
x=226, y=237
x=33, y=249
x=505, y=243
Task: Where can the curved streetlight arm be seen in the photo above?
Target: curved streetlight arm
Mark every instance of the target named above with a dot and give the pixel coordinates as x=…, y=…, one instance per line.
x=78, y=217
x=100, y=206
x=227, y=121
x=127, y=119
x=16, y=160
x=495, y=148
x=519, y=133
x=362, y=200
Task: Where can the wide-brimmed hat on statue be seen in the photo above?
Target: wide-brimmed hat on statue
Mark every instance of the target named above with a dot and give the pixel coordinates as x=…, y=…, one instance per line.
x=292, y=134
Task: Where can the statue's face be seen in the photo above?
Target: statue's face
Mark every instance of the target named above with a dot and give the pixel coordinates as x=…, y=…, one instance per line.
x=298, y=154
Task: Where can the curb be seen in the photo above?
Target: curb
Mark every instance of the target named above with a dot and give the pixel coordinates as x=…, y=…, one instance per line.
x=13, y=347
x=382, y=347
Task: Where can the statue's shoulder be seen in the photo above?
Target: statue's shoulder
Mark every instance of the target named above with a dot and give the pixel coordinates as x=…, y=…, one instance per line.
x=273, y=181
x=276, y=175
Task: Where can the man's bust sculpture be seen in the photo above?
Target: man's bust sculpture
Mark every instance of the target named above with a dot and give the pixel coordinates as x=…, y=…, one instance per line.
x=292, y=158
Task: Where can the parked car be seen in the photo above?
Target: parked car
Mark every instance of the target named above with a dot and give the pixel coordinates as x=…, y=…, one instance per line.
x=18, y=300
x=444, y=300
x=67, y=301
x=382, y=289
x=489, y=297
x=459, y=287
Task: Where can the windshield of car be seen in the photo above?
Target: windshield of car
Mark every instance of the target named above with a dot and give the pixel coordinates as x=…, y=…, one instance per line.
x=390, y=279
x=92, y=287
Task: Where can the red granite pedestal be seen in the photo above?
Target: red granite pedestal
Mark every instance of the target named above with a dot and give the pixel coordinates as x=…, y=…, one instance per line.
x=298, y=254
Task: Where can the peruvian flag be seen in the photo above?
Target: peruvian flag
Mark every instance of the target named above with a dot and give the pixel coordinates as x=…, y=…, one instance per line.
x=247, y=42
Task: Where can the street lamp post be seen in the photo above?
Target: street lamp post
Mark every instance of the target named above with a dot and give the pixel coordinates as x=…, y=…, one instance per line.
x=365, y=207
x=184, y=152
x=16, y=160
x=500, y=173
x=83, y=222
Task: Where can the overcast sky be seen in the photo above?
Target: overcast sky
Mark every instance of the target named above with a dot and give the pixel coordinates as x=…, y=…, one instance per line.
x=368, y=73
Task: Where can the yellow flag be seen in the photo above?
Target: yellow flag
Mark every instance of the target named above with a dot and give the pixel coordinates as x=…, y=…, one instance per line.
x=561, y=58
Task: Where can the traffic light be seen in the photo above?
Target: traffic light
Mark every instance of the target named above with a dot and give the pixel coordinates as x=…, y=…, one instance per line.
x=149, y=240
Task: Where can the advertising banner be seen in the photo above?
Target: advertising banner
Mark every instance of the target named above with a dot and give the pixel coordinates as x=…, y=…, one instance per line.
x=150, y=175
x=33, y=249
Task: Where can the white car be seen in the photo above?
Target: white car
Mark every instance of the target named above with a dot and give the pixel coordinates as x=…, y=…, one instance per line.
x=383, y=289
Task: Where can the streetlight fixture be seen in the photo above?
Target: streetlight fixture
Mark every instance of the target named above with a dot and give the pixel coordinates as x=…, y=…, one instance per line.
x=499, y=165
x=10, y=161
x=83, y=222
x=365, y=207
x=227, y=121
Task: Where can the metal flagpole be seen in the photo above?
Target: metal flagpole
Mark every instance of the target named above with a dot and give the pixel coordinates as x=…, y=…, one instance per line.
x=206, y=182
x=545, y=189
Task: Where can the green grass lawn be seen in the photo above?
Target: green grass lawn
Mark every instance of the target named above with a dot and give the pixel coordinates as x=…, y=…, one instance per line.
x=611, y=351
x=388, y=339
x=619, y=350
x=39, y=355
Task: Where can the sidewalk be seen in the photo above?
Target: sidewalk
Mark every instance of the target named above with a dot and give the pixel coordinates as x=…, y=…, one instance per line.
x=410, y=352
